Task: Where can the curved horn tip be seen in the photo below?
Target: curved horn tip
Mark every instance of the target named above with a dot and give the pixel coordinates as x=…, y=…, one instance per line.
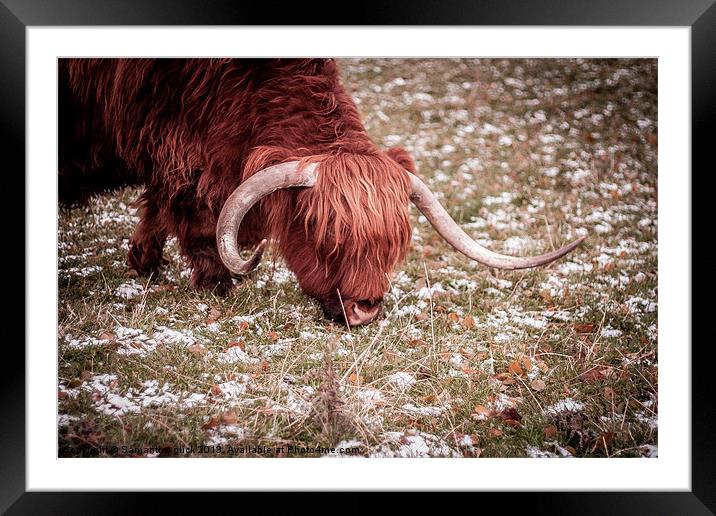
x=253, y=262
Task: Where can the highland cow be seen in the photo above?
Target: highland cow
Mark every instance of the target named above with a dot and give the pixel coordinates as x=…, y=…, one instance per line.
x=235, y=152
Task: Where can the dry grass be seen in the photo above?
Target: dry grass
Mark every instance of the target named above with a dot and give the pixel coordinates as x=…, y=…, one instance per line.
x=562, y=360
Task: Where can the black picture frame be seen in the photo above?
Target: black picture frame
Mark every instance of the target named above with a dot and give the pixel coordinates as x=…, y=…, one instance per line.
x=700, y=15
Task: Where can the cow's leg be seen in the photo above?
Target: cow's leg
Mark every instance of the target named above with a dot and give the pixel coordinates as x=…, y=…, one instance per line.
x=197, y=238
x=147, y=243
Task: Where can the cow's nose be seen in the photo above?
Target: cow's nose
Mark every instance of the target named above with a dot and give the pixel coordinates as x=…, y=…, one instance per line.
x=361, y=312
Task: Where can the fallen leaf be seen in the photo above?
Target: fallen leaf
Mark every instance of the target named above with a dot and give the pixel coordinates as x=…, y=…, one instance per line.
x=495, y=432
x=243, y=325
x=583, y=328
x=213, y=422
x=603, y=440
x=609, y=393
x=511, y=416
x=354, y=379
x=237, y=344
x=546, y=296
x=592, y=375
x=468, y=370
x=538, y=385
x=106, y=335
x=468, y=322
x=229, y=418
x=505, y=378
x=526, y=363
x=453, y=317
x=516, y=368
x=480, y=412
x=416, y=342
x=214, y=314
x=272, y=335
x=550, y=432
x=216, y=390
x=197, y=349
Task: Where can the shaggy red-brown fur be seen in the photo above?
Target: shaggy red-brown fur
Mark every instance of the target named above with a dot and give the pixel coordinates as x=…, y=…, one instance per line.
x=190, y=130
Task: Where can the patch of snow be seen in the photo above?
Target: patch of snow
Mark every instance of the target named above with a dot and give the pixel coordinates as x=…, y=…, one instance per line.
x=129, y=290
x=565, y=405
x=413, y=444
x=235, y=354
x=610, y=332
x=402, y=380
x=435, y=288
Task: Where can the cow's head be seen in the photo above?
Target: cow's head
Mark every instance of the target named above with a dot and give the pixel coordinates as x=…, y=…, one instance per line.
x=349, y=227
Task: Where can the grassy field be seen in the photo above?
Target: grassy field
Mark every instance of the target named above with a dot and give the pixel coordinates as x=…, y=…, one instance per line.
x=559, y=361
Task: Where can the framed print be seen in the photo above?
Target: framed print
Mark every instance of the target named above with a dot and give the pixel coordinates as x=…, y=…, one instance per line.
x=453, y=249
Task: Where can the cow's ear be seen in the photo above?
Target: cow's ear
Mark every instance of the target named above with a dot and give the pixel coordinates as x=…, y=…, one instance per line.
x=401, y=156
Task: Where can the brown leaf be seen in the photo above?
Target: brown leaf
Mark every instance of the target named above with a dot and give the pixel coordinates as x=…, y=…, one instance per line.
x=213, y=422
x=197, y=349
x=272, y=335
x=468, y=322
x=511, y=414
x=516, y=368
x=229, y=418
x=538, y=385
x=495, y=432
x=106, y=335
x=389, y=355
x=546, y=296
x=583, y=328
x=453, y=317
x=61, y=395
x=609, y=393
x=243, y=325
x=416, y=342
x=505, y=378
x=214, y=314
x=550, y=432
x=592, y=375
x=429, y=399
x=480, y=412
x=216, y=390
x=85, y=375
x=237, y=344
x=468, y=370
x=526, y=363
x=354, y=379
x=570, y=449
x=421, y=316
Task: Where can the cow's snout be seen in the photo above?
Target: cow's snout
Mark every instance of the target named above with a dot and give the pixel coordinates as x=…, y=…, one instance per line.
x=361, y=312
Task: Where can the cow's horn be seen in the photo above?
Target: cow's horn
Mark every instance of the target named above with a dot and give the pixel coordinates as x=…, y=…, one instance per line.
x=456, y=237
x=248, y=193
